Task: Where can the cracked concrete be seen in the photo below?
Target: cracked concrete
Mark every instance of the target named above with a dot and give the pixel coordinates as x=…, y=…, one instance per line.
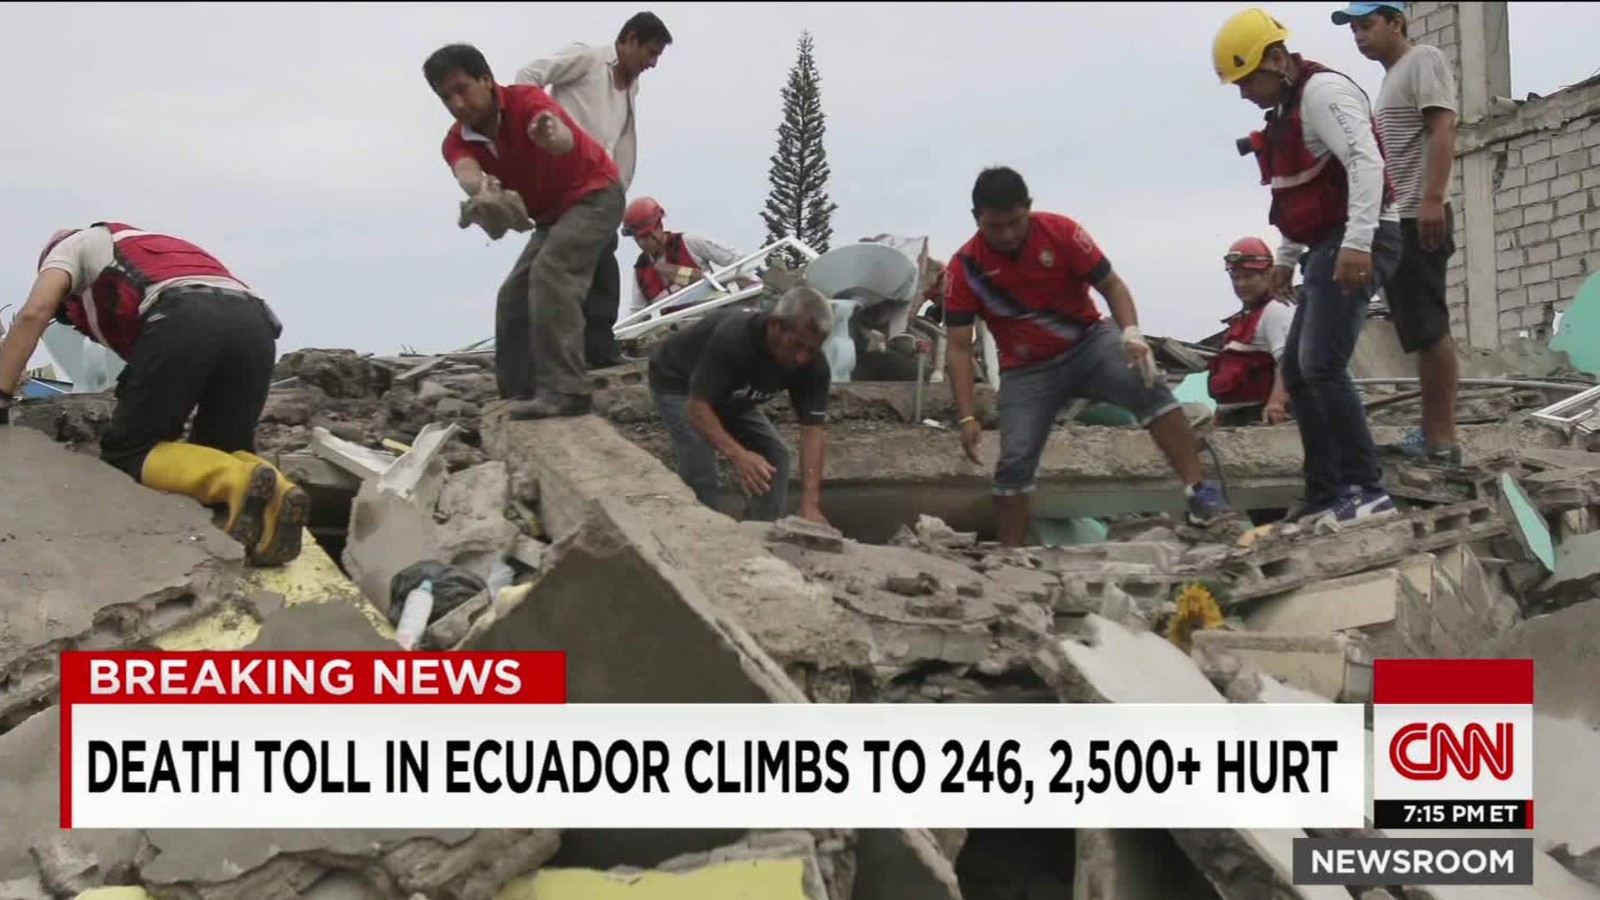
x=97, y=561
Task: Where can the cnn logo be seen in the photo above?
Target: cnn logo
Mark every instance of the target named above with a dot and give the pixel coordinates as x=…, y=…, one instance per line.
x=1426, y=752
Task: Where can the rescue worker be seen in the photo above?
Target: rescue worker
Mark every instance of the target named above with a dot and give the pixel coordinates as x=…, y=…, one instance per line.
x=1334, y=206
x=195, y=340
x=517, y=136
x=1417, y=119
x=599, y=87
x=669, y=261
x=709, y=380
x=1246, y=369
x=1028, y=274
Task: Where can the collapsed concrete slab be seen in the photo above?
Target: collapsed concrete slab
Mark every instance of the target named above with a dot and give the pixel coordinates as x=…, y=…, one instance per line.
x=1327, y=665
x=780, y=866
x=1134, y=864
x=89, y=558
x=727, y=621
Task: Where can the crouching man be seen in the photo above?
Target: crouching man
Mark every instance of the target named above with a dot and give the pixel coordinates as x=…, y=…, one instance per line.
x=195, y=340
x=709, y=379
x=1028, y=274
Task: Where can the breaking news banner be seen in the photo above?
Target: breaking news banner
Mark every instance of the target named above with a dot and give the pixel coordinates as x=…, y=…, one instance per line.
x=486, y=740
x=1452, y=749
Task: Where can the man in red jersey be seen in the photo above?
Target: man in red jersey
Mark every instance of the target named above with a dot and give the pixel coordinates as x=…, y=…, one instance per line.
x=1028, y=274
x=518, y=137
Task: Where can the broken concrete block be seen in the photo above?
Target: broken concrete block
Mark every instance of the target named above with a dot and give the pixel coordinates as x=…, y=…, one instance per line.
x=1338, y=604
x=362, y=462
x=1115, y=665
x=1530, y=527
x=1133, y=864
x=808, y=534
x=470, y=526
x=89, y=557
x=933, y=532
x=1325, y=664
x=1576, y=574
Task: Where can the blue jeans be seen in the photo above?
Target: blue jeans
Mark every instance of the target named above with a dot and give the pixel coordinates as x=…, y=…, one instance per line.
x=1095, y=368
x=697, y=459
x=1316, y=368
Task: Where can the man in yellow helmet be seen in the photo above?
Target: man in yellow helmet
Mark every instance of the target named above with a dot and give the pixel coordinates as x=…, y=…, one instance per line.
x=1334, y=206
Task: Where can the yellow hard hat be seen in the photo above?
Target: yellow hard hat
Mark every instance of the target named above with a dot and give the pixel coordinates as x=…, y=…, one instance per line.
x=1243, y=41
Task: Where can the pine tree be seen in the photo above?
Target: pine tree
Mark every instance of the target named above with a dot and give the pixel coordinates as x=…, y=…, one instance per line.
x=798, y=203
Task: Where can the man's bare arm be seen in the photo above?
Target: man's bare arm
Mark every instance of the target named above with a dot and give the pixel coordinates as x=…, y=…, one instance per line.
x=44, y=300
x=1119, y=299
x=962, y=371
x=705, y=420
x=813, y=440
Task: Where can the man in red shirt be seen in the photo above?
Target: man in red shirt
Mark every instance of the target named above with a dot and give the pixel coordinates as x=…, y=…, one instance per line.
x=516, y=138
x=1027, y=274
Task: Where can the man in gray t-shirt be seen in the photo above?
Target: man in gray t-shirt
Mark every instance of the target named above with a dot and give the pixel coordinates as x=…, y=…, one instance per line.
x=1416, y=114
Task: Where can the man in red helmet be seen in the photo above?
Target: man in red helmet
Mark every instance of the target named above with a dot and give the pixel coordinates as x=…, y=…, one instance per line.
x=1246, y=370
x=668, y=260
x=195, y=340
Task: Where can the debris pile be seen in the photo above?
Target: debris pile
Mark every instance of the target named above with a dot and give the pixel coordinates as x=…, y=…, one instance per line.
x=570, y=533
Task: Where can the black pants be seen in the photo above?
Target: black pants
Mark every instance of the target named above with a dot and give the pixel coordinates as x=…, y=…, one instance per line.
x=600, y=311
x=204, y=351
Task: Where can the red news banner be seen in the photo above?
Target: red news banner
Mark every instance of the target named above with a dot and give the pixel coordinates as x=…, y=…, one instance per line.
x=167, y=679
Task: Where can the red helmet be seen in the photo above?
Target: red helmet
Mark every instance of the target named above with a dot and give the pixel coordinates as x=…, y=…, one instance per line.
x=55, y=239
x=1248, y=253
x=642, y=216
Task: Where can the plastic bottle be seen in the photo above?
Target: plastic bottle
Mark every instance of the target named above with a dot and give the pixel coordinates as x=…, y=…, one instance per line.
x=414, y=615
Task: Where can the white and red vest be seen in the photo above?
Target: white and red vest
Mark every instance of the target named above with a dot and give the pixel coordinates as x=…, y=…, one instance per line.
x=108, y=310
x=1310, y=196
x=1242, y=373
x=674, y=271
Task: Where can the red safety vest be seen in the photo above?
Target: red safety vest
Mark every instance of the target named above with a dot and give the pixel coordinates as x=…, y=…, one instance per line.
x=1310, y=196
x=108, y=310
x=676, y=256
x=1242, y=373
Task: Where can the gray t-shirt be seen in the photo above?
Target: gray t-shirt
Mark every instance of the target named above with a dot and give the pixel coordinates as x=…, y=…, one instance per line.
x=1421, y=80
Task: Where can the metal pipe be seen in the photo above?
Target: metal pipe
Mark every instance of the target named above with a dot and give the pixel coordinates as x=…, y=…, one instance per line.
x=1487, y=382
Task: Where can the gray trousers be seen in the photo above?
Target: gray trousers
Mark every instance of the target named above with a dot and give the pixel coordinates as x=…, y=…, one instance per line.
x=539, y=314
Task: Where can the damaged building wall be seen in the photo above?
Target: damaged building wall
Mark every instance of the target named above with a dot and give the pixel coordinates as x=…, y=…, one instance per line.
x=1525, y=189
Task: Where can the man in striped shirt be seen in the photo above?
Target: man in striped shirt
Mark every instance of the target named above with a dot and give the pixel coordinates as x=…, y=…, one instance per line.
x=1417, y=118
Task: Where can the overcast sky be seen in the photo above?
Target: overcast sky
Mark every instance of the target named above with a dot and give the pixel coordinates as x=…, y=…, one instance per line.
x=300, y=143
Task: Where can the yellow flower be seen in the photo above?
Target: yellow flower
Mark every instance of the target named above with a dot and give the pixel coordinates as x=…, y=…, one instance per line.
x=1197, y=609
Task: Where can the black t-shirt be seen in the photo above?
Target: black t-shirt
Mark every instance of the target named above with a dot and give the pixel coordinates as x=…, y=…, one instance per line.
x=723, y=357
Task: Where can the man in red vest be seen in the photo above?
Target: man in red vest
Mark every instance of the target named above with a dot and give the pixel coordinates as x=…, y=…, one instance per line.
x=1246, y=369
x=518, y=137
x=1334, y=205
x=668, y=261
x=195, y=340
x=1028, y=275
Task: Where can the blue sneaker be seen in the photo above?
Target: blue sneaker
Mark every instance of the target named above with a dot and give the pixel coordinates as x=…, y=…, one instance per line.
x=1207, y=506
x=1415, y=446
x=1355, y=505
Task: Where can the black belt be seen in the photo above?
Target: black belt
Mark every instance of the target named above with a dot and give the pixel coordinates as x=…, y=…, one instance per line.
x=216, y=290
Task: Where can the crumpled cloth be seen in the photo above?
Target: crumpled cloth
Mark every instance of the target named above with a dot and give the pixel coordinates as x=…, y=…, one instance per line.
x=496, y=211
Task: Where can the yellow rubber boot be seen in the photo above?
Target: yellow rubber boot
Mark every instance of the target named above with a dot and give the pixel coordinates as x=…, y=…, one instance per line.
x=286, y=516
x=215, y=479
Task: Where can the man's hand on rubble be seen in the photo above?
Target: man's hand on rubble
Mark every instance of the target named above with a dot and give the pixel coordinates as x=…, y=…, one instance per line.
x=1276, y=412
x=1140, y=359
x=971, y=437
x=754, y=473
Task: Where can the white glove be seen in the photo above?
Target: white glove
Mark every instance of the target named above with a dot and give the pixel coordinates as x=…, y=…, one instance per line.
x=495, y=210
x=1146, y=364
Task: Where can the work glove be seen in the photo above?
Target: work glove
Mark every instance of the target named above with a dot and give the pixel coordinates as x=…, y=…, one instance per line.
x=1140, y=358
x=496, y=211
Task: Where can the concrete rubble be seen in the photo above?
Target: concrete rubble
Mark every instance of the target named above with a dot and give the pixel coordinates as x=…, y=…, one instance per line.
x=908, y=601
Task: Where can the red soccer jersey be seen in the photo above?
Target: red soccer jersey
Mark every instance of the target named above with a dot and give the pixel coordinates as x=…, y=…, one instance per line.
x=549, y=183
x=1037, y=303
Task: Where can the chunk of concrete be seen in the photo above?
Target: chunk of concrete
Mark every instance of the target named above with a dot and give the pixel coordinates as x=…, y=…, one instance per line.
x=726, y=621
x=1112, y=664
x=364, y=463
x=1576, y=574
x=1339, y=604
x=471, y=529
x=1134, y=864
x=1324, y=664
x=91, y=558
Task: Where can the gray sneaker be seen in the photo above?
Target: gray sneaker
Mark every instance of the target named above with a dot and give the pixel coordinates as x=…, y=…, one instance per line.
x=1415, y=446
